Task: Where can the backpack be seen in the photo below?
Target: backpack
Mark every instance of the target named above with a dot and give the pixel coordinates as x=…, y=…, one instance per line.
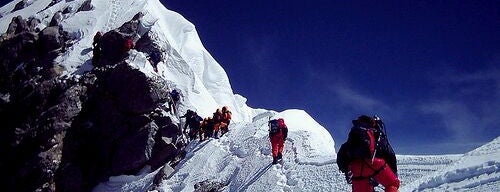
x=198, y=118
x=175, y=95
x=227, y=116
x=274, y=126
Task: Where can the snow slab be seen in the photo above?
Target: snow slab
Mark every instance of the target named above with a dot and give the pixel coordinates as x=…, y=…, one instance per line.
x=478, y=170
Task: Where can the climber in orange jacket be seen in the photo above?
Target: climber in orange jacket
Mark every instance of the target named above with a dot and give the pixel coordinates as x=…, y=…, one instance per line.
x=226, y=119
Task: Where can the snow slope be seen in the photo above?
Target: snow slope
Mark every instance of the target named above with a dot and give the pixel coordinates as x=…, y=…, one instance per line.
x=478, y=170
x=241, y=159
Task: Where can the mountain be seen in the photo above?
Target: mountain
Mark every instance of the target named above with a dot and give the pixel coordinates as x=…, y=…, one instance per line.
x=77, y=123
x=73, y=122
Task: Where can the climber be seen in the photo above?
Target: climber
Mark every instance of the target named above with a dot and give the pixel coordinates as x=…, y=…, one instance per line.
x=193, y=120
x=128, y=44
x=173, y=98
x=217, y=118
x=188, y=116
x=207, y=127
x=278, y=133
x=226, y=119
x=367, y=158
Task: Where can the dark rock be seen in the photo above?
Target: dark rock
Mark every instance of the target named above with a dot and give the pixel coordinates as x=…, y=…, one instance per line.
x=67, y=10
x=56, y=19
x=130, y=87
x=135, y=149
x=16, y=60
x=112, y=48
x=33, y=23
x=146, y=45
x=116, y=127
x=209, y=186
x=21, y=5
x=38, y=115
x=53, y=2
x=138, y=16
x=69, y=134
x=130, y=28
x=51, y=39
x=17, y=25
x=86, y=6
x=163, y=174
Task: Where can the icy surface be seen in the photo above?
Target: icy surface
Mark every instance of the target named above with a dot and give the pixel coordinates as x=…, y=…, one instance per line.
x=478, y=170
x=241, y=159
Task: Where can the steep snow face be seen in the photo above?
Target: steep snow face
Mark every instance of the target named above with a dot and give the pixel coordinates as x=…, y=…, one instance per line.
x=192, y=66
x=188, y=65
x=478, y=170
x=313, y=142
x=242, y=158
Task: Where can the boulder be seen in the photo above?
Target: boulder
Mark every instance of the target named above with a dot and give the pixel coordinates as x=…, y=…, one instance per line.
x=56, y=19
x=17, y=25
x=33, y=23
x=86, y=6
x=146, y=45
x=112, y=48
x=131, y=89
x=135, y=148
x=209, y=186
x=21, y=5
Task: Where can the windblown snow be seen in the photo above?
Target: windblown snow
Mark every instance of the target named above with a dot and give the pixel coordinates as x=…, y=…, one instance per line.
x=240, y=159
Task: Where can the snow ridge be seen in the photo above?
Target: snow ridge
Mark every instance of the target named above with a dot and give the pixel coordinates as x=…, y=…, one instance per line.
x=241, y=158
x=476, y=170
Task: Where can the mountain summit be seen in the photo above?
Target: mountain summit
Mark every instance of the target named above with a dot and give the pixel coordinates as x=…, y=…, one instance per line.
x=80, y=118
x=74, y=120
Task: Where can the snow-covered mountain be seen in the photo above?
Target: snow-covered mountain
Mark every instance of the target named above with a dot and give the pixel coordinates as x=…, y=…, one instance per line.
x=238, y=161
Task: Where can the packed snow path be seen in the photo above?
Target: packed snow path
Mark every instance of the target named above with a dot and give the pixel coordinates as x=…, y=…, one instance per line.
x=242, y=158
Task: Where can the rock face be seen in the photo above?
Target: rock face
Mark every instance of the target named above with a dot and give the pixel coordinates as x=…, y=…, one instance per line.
x=21, y=5
x=209, y=186
x=117, y=131
x=68, y=134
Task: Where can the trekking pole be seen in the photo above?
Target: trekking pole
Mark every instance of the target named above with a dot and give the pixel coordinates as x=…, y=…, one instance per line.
x=381, y=133
x=376, y=146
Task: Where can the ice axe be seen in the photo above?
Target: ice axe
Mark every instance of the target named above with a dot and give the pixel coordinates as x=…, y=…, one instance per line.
x=381, y=127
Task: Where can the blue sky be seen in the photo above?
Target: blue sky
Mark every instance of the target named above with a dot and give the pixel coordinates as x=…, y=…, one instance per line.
x=430, y=69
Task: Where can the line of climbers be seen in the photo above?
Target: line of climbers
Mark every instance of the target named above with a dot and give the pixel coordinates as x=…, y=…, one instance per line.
x=366, y=158
x=208, y=127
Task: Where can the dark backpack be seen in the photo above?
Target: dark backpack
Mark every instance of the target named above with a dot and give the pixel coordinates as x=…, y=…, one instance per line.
x=198, y=118
x=274, y=126
x=175, y=95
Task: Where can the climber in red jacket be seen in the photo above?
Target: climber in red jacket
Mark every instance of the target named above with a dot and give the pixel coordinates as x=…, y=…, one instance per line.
x=367, y=158
x=277, y=134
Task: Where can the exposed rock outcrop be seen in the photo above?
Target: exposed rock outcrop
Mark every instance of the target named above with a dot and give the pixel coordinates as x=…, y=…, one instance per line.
x=63, y=134
x=209, y=186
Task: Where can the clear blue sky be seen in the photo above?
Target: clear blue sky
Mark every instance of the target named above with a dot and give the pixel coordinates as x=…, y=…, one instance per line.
x=430, y=69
